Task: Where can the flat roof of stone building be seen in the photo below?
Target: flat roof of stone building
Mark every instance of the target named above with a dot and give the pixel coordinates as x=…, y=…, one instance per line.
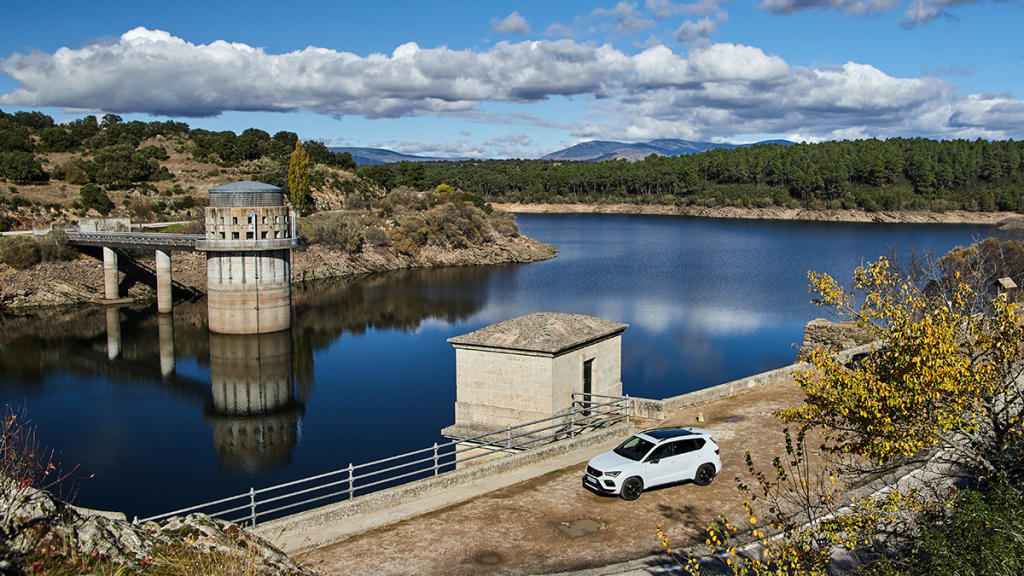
x=549, y=332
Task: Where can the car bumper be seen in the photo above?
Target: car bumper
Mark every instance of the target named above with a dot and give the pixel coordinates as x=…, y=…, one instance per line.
x=604, y=484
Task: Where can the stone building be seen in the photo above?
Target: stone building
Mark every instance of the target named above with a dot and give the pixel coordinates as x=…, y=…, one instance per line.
x=527, y=368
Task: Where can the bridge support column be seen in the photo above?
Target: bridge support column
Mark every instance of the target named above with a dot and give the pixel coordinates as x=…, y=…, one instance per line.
x=164, y=300
x=110, y=291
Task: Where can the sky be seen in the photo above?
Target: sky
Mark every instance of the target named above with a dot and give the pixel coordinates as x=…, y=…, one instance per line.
x=521, y=79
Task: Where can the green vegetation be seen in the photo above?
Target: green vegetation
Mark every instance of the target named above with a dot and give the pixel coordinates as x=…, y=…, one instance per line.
x=872, y=175
x=942, y=392
x=407, y=221
x=298, y=178
x=22, y=252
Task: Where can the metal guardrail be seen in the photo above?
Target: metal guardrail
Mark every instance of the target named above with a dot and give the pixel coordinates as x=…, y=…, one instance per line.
x=134, y=239
x=424, y=463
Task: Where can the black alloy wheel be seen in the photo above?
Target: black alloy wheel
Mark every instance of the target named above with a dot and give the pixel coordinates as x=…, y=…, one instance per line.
x=705, y=474
x=631, y=488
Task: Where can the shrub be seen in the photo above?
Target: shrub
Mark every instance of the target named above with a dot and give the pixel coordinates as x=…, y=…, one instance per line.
x=19, y=252
x=94, y=197
x=54, y=246
x=504, y=223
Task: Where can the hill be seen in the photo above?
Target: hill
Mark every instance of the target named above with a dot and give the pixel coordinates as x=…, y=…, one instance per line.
x=373, y=156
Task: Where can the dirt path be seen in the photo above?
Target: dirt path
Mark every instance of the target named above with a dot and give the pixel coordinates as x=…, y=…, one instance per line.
x=552, y=524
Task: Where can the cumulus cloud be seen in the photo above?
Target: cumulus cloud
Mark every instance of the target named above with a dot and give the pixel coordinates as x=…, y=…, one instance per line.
x=662, y=9
x=511, y=24
x=717, y=90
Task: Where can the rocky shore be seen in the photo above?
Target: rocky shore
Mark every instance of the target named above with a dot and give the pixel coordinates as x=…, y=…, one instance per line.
x=773, y=213
x=80, y=281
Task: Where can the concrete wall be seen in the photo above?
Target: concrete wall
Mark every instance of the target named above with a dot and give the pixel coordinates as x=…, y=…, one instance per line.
x=496, y=389
x=239, y=281
x=105, y=225
x=659, y=409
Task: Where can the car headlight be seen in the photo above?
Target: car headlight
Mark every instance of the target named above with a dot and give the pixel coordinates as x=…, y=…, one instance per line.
x=612, y=474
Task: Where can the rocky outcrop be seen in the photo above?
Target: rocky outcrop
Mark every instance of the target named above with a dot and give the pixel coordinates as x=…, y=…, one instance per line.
x=80, y=281
x=43, y=532
x=831, y=336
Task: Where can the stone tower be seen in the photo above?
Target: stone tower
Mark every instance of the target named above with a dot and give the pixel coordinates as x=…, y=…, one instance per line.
x=249, y=236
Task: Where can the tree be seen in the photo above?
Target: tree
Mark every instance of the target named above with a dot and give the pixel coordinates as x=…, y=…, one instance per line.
x=92, y=196
x=945, y=380
x=298, y=178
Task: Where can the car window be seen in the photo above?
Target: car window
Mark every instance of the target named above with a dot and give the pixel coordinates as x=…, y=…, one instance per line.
x=635, y=448
x=664, y=451
x=690, y=445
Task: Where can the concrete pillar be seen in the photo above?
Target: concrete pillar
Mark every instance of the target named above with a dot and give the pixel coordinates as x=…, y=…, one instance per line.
x=164, y=300
x=110, y=291
x=165, y=325
x=113, y=332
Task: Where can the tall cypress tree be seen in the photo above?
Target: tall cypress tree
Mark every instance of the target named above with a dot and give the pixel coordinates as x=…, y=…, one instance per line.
x=298, y=178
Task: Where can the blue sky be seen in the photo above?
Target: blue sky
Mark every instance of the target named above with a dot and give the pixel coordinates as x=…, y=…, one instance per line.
x=519, y=79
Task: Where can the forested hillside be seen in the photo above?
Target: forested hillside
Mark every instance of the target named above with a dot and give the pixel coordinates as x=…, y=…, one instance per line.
x=896, y=174
x=146, y=170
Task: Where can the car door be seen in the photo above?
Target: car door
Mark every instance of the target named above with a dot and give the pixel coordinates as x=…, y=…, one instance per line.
x=662, y=464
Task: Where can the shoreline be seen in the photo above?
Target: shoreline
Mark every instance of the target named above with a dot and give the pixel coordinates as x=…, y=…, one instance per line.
x=772, y=213
x=77, y=282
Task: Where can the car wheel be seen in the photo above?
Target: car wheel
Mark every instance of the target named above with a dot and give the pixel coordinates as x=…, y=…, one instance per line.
x=631, y=488
x=705, y=474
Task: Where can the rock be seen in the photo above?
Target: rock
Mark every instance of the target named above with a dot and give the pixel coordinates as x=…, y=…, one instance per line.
x=830, y=335
x=34, y=525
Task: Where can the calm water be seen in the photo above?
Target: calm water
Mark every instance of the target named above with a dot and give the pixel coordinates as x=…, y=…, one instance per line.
x=366, y=372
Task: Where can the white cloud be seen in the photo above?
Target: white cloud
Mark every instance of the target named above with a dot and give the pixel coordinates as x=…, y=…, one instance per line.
x=511, y=24
x=663, y=9
x=718, y=90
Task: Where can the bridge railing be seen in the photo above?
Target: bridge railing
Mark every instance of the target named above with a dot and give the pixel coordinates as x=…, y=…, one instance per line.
x=133, y=239
x=344, y=483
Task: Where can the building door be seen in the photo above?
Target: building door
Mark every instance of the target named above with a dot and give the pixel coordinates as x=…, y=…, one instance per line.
x=588, y=373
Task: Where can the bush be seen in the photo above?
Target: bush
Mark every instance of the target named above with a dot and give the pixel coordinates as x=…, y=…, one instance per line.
x=94, y=197
x=504, y=223
x=54, y=246
x=19, y=252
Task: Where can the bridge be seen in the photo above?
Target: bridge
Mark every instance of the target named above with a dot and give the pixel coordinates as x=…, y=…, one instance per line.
x=162, y=244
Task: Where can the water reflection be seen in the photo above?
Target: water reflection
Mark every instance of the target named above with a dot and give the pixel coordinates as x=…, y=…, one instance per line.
x=255, y=412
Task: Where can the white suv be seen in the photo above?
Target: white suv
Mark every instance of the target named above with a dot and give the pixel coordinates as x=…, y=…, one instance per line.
x=654, y=457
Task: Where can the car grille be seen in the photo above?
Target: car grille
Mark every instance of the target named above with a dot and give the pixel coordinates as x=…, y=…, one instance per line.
x=593, y=472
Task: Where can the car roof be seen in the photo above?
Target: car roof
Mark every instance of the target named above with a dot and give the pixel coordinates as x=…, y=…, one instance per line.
x=660, y=434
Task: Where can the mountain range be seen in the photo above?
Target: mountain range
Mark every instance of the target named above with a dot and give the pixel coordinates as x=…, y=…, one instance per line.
x=590, y=151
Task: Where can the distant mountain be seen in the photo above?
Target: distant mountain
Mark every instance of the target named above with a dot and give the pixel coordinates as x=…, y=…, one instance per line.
x=599, y=150
x=591, y=151
x=364, y=156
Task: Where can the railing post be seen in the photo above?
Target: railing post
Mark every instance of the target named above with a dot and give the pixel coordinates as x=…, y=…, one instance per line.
x=572, y=424
x=435, y=459
x=508, y=440
x=252, y=506
x=351, y=483
x=627, y=409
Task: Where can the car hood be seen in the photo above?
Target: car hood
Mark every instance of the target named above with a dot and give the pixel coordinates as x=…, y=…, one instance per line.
x=610, y=461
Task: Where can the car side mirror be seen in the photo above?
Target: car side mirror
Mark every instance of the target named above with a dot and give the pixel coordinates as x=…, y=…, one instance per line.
x=654, y=461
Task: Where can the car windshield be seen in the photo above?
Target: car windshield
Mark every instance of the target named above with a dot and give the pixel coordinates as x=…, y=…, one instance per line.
x=635, y=448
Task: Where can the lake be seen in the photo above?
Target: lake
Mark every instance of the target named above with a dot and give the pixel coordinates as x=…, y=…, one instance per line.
x=167, y=415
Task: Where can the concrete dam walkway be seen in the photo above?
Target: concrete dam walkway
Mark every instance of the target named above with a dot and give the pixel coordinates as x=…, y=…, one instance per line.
x=541, y=520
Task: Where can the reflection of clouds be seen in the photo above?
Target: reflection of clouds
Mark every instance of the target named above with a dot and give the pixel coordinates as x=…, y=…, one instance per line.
x=728, y=321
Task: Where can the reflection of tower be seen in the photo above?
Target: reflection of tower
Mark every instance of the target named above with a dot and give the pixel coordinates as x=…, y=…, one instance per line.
x=249, y=236
x=255, y=414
